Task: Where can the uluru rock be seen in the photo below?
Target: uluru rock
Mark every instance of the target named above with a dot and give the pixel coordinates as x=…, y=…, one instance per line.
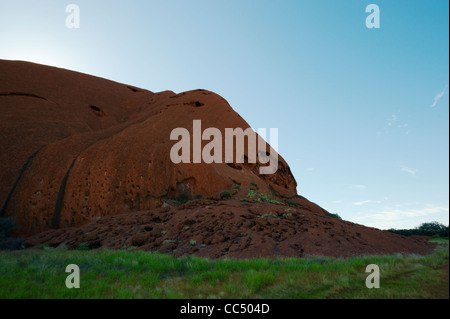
x=77, y=147
x=85, y=160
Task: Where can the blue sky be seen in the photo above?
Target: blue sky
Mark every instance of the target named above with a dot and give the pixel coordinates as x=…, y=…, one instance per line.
x=363, y=114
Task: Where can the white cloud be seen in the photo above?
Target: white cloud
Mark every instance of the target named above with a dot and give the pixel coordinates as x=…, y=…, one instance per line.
x=439, y=96
x=399, y=214
x=310, y=169
x=406, y=218
x=408, y=170
x=395, y=119
x=363, y=202
x=392, y=120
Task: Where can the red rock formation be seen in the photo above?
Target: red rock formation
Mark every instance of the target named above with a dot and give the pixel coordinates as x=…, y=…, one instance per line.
x=77, y=147
x=234, y=229
x=90, y=158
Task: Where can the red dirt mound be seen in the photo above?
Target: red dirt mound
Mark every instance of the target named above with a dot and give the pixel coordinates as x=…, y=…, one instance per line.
x=87, y=161
x=234, y=229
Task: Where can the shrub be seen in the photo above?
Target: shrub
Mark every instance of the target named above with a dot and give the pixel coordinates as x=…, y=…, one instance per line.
x=6, y=230
x=273, y=201
x=268, y=215
x=255, y=185
x=12, y=244
x=46, y=247
x=198, y=196
x=183, y=198
x=260, y=197
x=225, y=194
x=84, y=246
x=334, y=215
x=251, y=194
x=292, y=203
x=6, y=227
x=331, y=215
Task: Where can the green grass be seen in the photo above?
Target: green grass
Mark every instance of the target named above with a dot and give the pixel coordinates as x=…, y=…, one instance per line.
x=440, y=240
x=136, y=274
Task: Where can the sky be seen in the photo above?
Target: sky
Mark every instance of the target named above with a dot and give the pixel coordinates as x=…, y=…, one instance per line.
x=362, y=113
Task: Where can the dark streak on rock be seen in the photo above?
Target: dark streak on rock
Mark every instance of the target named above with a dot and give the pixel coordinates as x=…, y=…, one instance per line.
x=60, y=200
x=21, y=172
x=22, y=94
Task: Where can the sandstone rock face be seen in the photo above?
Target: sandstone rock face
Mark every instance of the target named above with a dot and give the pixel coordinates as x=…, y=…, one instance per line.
x=87, y=161
x=76, y=148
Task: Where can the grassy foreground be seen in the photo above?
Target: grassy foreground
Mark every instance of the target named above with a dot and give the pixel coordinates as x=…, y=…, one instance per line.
x=128, y=274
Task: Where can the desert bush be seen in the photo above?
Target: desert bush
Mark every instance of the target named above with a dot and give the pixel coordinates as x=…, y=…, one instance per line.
x=183, y=198
x=274, y=201
x=292, y=203
x=225, y=194
x=6, y=230
x=331, y=214
x=433, y=229
x=6, y=227
x=255, y=185
x=84, y=246
x=12, y=244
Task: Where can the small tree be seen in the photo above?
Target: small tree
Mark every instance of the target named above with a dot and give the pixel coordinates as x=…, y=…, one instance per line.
x=433, y=228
